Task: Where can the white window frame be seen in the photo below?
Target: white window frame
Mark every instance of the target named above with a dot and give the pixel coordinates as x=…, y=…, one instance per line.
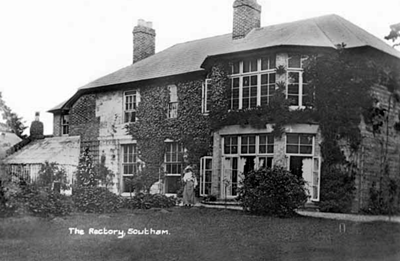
x=135, y=104
x=204, y=96
x=203, y=171
x=173, y=162
x=65, y=124
x=316, y=174
x=300, y=71
x=258, y=72
x=123, y=164
x=239, y=155
x=173, y=103
x=316, y=179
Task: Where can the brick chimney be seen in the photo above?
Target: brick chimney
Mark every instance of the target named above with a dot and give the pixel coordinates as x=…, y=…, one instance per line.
x=246, y=17
x=144, y=40
x=36, y=129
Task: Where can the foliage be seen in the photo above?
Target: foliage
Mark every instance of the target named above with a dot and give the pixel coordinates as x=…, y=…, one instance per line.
x=191, y=128
x=383, y=200
x=50, y=173
x=337, y=188
x=45, y=202
x=12, y=119
x=88, y=174
x=96, y=200
x=146, y=201
x=274, y=192
x=394, y=34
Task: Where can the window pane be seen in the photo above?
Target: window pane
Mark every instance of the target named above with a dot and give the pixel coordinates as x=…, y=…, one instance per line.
x=292, y=149
x=270, y=149
x=306, y=139
x=246, y=81
x=272, y=62
x=264, y=63
x=235, y=82
x=272, y=78
x=264, y=79
x=306, y=149
x=294, y=61
x=253, y=65
x=293, y=100
x=252, y=149
x=244, y=149
x=253, y=80
x=235, y=68
x=246, y=66
x=253, y=102
x=294, y=77
x=292, y=138
x=262, y=149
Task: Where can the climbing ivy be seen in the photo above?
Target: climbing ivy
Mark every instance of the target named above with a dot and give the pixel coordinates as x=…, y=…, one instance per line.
x=191, y=128
x=342, y=99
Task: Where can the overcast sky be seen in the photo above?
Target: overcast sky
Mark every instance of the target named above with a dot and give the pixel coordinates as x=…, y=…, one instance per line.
x=50, y=48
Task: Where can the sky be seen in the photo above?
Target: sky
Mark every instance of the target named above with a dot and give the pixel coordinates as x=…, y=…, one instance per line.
x=50, y=48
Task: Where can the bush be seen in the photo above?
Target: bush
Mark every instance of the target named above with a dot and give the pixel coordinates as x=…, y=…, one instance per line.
x=51, y=173
x=96, y=200
x=337, y=189
x=383, y=201
x=274, y=192
x=146, y=201
x=45, y=202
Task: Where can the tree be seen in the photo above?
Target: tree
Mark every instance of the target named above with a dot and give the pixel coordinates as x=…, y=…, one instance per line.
x=12, y=119
x=394, y=34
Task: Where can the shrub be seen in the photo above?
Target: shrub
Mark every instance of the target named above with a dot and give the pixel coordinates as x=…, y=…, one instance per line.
x=274, y=192
x=383, y=201
x=96, y=200
x=146, y=201
x=44, y=202
x=51, y=173
x=337, y=188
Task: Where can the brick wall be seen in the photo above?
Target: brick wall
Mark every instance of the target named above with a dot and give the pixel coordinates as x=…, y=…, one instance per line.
x=143, y=42
x=57, y=125
x=246, y=17
x=83, y=120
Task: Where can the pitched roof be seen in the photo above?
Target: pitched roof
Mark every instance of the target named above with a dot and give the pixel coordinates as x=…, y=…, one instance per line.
x=7, y=140
x=58, y=107
x=324, y=31
x=62, y=150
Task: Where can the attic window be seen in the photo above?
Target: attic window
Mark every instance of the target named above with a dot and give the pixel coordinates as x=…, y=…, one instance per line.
x=65, y=124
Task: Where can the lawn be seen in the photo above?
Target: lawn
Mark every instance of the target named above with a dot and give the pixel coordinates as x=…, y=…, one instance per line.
x=196, y=234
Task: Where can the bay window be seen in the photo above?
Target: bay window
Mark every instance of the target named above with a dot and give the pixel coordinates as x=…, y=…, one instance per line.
x=241, y=154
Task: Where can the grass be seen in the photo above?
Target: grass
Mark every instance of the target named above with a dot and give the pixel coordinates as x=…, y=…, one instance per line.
x=197, y=234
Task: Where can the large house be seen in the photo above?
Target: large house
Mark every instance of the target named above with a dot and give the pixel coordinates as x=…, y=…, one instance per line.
x=153, y=93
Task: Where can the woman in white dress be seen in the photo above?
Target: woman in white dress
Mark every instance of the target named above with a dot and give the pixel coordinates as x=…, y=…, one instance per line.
x=190, y=181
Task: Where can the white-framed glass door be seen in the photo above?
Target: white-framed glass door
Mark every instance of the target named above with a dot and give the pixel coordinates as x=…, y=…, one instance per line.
x=205, y=175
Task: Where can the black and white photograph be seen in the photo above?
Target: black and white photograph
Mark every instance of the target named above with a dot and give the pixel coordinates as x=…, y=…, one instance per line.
x=199, y=130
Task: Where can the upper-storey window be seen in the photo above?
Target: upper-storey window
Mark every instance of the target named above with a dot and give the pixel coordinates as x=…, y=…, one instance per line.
x=206, y=93
x=298, y=92
x=173, y=102
x=130, y=105
x=65, y=124
x=252, y=82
